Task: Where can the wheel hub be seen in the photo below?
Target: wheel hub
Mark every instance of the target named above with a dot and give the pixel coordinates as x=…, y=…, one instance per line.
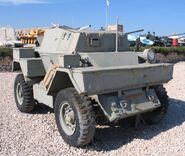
x=19, y=93
x=67, y=119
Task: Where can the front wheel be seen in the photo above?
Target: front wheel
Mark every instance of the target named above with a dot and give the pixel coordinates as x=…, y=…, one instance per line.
x=75, y=117
x=23, y=93
x=157, y=115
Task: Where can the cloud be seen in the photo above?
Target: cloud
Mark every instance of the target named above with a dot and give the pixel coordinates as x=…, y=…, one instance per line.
x=19, y=2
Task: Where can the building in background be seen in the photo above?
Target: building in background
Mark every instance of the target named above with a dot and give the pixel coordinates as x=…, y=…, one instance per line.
x=6, y=34
x=8, y=37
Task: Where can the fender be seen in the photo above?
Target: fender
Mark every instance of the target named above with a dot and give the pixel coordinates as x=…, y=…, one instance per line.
x=62, y=79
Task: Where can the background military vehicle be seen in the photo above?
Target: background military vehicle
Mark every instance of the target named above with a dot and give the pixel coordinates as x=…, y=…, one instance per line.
x=84, y=74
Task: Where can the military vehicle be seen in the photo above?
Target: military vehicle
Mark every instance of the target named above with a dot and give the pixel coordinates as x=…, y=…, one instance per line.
x=133, y=40
x=152, y=39
x=85, y=75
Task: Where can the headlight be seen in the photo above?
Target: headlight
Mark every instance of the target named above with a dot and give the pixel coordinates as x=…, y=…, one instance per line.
x=150, y=55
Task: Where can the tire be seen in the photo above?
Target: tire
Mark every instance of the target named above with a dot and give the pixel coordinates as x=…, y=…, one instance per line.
x=23, y=94
x=82, y=117
x=157, y=115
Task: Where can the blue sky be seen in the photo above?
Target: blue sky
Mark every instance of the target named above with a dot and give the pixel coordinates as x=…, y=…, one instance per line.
x=162, y=16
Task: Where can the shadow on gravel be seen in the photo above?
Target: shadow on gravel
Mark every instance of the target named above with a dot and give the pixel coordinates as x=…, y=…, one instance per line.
x=110, y=138
x=42, y=109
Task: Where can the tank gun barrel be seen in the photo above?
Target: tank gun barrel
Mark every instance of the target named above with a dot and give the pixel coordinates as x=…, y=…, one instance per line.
x=132, y=32
x=180, y=34
x=86, y=27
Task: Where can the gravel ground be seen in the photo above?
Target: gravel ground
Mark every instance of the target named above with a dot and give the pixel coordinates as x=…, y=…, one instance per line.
x=36, y=134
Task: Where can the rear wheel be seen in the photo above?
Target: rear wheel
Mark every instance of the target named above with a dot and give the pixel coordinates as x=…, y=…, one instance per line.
x=75, y=117
x=23, y=93
x=157, y=115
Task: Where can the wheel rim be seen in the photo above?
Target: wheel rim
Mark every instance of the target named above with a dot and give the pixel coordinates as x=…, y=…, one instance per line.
x=67, y=118
x=19, y=93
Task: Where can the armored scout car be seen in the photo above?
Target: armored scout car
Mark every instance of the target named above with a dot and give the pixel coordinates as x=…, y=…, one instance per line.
x=85, y=74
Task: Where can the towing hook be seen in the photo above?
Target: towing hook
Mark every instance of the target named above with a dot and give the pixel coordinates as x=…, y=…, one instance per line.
x=151, y=98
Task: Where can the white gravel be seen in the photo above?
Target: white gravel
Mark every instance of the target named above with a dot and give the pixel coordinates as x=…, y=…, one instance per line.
x=36, y=134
